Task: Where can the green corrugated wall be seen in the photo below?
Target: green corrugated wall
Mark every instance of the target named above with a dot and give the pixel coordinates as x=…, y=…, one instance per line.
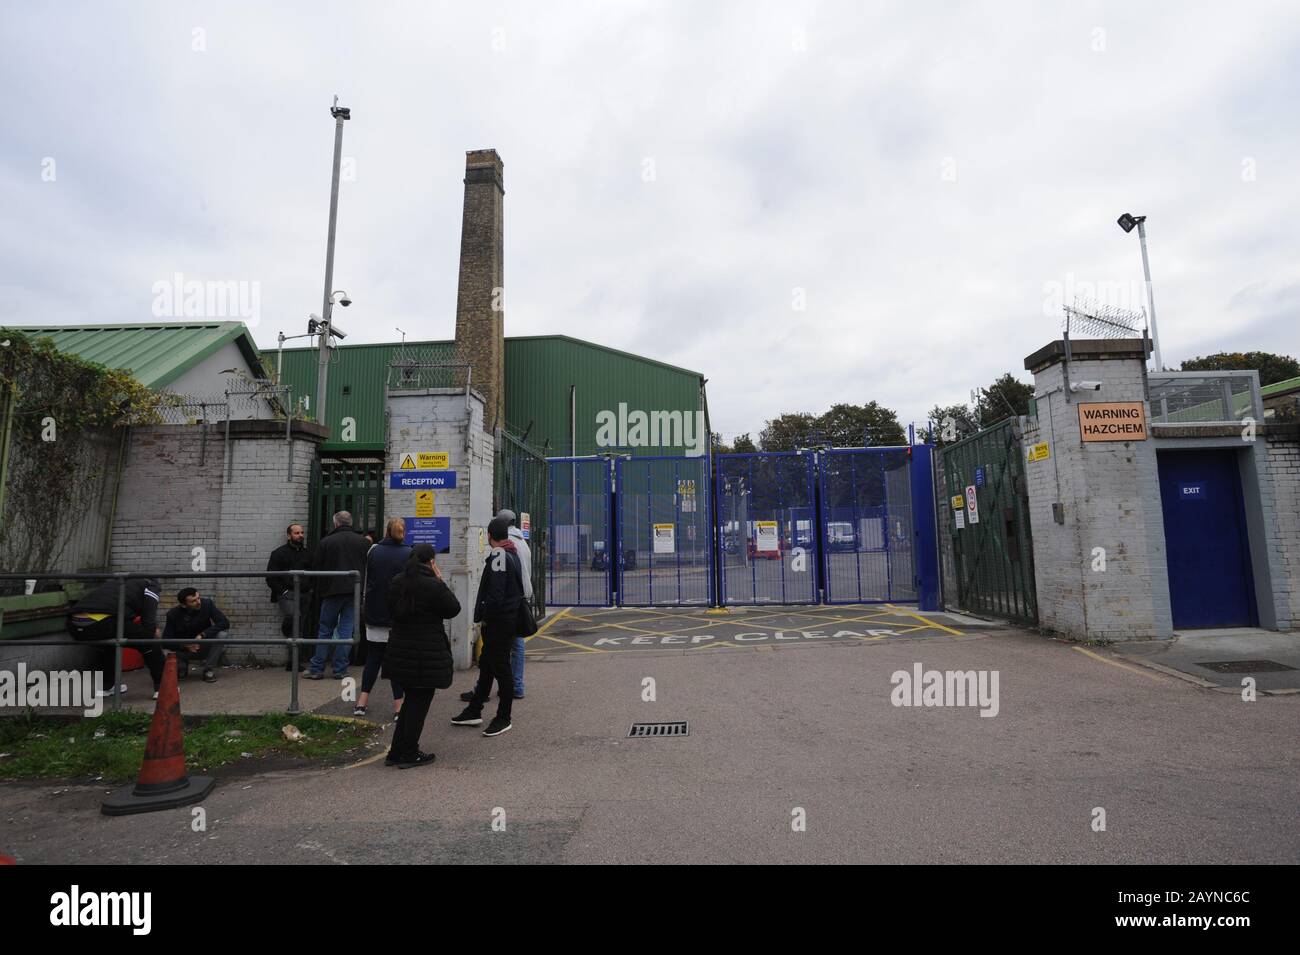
x=539, y=371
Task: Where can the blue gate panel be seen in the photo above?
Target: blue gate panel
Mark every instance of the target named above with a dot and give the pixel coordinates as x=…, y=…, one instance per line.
x=755, y=492
x=867, y=527
x=578, y=565
x=925, y=529
x=1211, y=583
x=665, y=532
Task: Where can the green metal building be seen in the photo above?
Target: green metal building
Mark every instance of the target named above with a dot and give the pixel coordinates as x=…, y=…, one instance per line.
x=556, y=389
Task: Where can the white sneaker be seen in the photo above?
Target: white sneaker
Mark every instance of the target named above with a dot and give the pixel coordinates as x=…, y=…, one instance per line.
x=155, y=694
x=109, y=691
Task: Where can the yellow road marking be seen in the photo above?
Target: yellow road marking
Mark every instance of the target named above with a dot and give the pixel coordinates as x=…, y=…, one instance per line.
x=1116, y=663
x=577, y=646
x=368, y=760
x=928, y=623
x=547, y=623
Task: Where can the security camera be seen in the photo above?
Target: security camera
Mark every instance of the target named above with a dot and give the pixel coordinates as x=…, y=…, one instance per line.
x=345, y=301
x=1085, y=386
x=336, y=331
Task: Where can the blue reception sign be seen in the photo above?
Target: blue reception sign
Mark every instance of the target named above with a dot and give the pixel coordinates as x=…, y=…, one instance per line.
x=429, y=530
x=421, y=480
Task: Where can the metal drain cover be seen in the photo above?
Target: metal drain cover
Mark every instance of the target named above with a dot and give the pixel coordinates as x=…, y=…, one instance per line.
x=641, y=730
x=1244, y=666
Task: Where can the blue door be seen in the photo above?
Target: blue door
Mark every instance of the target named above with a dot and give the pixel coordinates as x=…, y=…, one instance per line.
x=1210, y=581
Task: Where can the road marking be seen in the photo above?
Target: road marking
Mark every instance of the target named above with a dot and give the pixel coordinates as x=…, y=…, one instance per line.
x=1116, y=663
x=576, y=646
x=550, y=620
x=928, y=623
x=368, y=760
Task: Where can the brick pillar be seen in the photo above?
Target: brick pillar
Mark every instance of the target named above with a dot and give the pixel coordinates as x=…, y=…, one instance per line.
x=480, y=307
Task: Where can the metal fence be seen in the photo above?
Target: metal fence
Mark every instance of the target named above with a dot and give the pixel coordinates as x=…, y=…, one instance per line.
x=990, y=536
x=665, y=531
x=1193, y=397
x=120, y=641
x=868, y=539
x=580, y=552
x=767, y=528
x=520, y=483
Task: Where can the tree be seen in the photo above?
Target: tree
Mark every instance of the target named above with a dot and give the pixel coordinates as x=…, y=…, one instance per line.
x=952, y=423
x=1272, y=368
x=852, y=426
x=787, y=431
x=745, y=444
x=1006, y=397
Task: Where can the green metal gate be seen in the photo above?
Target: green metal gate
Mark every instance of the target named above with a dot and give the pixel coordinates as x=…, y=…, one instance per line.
x=355, y=485
x=992, y=548
x=519, y=483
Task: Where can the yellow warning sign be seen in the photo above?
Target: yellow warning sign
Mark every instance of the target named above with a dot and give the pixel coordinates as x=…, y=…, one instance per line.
x=958, y=503
x=424, y=504
x=433, y=460
x=408, y=463
x=1038, y=452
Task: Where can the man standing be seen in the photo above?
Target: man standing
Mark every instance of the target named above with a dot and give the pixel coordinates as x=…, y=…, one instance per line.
x=341, y=549
x=526, y=571
x=198, y=617
x=293, y=554
x=94, y=617
x=500, y=591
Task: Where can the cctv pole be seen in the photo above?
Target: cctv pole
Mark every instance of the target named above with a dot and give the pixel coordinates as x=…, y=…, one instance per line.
x=1151, y=302
x=340, y=114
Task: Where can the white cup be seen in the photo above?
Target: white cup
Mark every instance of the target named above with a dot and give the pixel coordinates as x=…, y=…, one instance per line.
x=31, y=587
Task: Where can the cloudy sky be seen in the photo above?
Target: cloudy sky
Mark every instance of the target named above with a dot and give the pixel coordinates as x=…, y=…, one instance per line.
x=807, y=202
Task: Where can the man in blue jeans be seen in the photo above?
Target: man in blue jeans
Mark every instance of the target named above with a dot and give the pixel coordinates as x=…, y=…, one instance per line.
x=341, y=549
x=526, y=566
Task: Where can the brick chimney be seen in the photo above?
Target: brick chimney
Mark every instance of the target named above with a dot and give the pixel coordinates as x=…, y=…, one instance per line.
x=480, y=306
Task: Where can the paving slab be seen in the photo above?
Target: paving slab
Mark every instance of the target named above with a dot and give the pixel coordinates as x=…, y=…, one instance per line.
x=1188, y=651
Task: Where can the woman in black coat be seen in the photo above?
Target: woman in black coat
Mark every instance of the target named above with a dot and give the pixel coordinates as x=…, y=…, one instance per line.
x=419, y=653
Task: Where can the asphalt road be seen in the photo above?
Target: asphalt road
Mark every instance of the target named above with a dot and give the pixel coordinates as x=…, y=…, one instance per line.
x=778, y=732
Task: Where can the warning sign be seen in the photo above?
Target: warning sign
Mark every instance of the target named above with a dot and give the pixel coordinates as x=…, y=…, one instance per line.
x=1038, y=452
x=972, y=506
x=525, y=524
x=665, y=539
x=958, y=502
x=424, y=461
x=961, y=520
x=424, y=504
x=1113, y=421
x=765, y=536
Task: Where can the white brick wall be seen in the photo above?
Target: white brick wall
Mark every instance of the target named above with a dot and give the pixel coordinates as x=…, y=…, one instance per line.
x=1283, y=457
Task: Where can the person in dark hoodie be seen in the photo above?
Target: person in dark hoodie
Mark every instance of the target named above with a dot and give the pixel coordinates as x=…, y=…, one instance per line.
x=94, y=617
x=419, y=653
x=293, y=554
x=384, y=562
x=199, y=617
x=500, y=591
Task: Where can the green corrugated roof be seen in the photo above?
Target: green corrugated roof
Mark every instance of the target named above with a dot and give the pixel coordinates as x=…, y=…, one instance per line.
x=1280, y=387
x=156, y=353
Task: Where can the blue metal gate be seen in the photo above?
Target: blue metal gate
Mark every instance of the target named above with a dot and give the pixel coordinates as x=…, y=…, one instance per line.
x=579, y=558
x=869, y=537
x=665, y=532
x=767, y=528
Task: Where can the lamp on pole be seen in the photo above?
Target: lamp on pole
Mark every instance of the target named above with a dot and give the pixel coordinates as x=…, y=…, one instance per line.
x=340, y=114
x=1127, y=222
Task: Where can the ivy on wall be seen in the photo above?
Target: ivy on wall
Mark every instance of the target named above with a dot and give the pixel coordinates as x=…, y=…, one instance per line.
x=56, y=413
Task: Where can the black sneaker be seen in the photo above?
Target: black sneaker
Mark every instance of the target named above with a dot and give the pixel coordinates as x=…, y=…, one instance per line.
x=498, y=726
x=421, y=759
x=209, y=676
x=391, y=760
x=468, y=717
x=313, y=675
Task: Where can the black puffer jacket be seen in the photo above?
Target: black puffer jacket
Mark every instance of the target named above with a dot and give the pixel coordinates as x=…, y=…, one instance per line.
x=340, y=549
x=419, y=653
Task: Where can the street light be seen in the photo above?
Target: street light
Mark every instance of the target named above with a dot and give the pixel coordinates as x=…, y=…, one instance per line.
x=1127, y=222
x=340, y=114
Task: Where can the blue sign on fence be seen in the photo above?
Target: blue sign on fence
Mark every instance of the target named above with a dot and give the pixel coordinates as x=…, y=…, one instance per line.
x=979, y=477
x=429, y=530
x=421, y=480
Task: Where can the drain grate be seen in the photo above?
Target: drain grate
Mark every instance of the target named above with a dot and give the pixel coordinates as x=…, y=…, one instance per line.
x=1244, y=666
x=641, y=730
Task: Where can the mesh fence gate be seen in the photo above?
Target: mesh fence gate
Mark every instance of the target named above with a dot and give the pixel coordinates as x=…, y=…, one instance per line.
x=868, y=538
x=993, y=555
x=665, y=531
x=520, y=483
x=767, y=528
x=579, y=550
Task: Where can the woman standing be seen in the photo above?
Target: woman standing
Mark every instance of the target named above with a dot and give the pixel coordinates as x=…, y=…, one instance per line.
x=419, y=653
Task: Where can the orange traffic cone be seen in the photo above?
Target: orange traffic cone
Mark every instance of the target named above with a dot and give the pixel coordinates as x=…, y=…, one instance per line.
x=162, y=783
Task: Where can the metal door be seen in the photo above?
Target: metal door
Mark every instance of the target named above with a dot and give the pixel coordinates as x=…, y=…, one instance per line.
x=868, y=539
x=665, y=531
x=579, y=544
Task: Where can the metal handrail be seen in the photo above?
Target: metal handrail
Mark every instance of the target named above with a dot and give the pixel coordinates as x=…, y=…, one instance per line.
x=120, y=641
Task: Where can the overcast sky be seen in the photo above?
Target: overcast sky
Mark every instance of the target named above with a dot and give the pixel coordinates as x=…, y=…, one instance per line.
x=927, y=180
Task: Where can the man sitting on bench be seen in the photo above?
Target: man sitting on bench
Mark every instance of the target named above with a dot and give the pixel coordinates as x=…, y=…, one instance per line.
x=195, y=616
